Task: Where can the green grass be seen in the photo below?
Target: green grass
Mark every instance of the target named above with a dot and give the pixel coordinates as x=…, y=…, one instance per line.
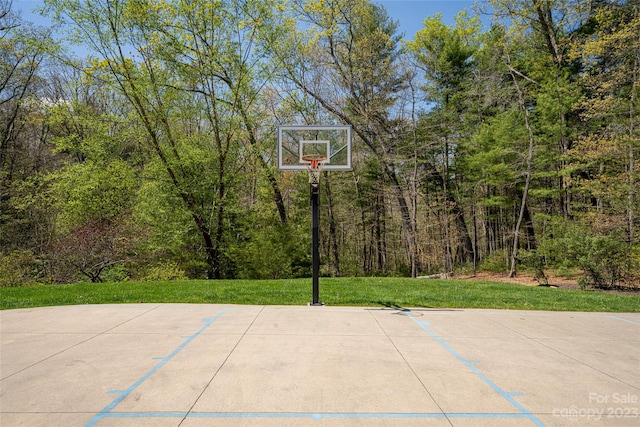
x=376, y=292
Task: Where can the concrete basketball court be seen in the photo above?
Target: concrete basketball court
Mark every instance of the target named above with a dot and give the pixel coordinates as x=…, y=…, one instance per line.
x=223, y=365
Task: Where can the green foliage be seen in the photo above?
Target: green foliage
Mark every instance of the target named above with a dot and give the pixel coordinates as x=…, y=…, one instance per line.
x=535, y=262
x=497, y=262
x=158, y=207
x=558, y=96
x=606, y=261
x=171, y=127
x=92, y=191
x=272, y=253
x=495, y=149
x=116, y=273
x=163, y=271
x=19, y=268
x=264, y=248
x=445, y=54
x=602, y=258
x=25, y=218
x=27, y=215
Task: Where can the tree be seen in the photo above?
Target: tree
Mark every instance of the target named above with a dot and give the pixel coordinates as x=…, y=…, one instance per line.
x=22, y=51
x=528, y=169
x=603, y=159
x=550, y=20
x=518, y=144
x=25, y=221
x=446, y=56
x=95, y=247
x=189, y=78
x=548, y=27
x=347, y=61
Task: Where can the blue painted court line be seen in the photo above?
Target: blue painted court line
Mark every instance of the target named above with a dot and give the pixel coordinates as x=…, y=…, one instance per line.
x=624, y=320
x=348, y=415
x=108, y=412
x=315, y=416
x=468, y=363
x=125, y=393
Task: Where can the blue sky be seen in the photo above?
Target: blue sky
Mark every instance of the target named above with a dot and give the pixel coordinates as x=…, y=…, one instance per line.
x=410, y=13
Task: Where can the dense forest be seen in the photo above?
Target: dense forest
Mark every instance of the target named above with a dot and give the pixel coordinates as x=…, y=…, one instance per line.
x=505, y=141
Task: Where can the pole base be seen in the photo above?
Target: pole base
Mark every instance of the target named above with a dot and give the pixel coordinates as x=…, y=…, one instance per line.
x=316, y=304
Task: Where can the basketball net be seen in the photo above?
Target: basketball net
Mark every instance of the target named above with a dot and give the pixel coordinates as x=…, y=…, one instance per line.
x=314, y=164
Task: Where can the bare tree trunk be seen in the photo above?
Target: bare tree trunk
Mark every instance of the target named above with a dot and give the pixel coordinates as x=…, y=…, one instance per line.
x=333, y=239
x=277, y=194
x=632, y=184
x=414, y=178
x=380, y=233
x=475, y=232
x=407, y=223
x=525, y=192
x=362, y=230
x=448, y=264
x=545, y=19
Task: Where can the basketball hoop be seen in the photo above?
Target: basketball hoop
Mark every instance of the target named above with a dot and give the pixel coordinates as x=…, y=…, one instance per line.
x=314, y=148
x=314, y=164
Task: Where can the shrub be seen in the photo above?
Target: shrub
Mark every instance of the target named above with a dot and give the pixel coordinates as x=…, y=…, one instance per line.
x=603, y=259
x=117, y=273
x=535, y=262
x=165, y=271
x=275, y=252
x=19, y=268
x=497, y=262
x=96, y=248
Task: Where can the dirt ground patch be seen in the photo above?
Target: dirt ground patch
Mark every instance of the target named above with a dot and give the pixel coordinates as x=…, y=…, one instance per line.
x=529, y=280
x=524, y=279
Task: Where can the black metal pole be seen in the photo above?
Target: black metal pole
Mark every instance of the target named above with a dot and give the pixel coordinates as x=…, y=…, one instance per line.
x=315, y=243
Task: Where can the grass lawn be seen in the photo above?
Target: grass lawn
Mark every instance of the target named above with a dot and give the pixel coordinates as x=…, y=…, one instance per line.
x=364, y=291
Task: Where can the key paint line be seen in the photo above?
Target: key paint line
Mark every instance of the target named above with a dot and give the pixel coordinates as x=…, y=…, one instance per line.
x=125, y=393
x=624, y=320
x=315, y=416
x=508, y=396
